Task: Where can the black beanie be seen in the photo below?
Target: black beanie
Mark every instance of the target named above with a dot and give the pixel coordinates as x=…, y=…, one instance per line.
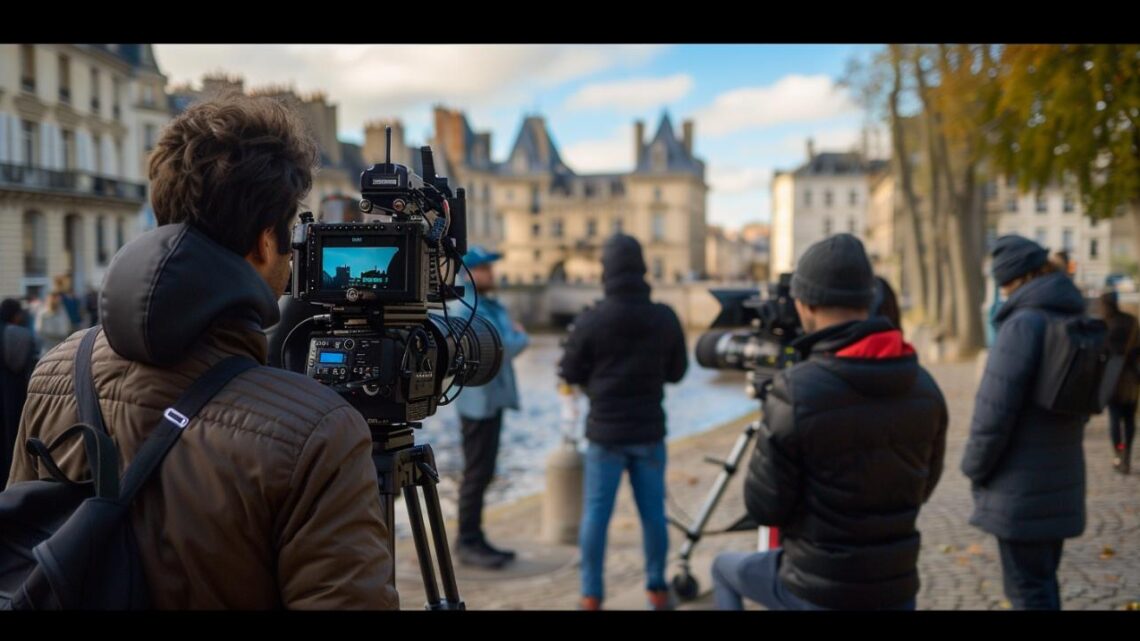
x=1015, y=255
x=834, y=272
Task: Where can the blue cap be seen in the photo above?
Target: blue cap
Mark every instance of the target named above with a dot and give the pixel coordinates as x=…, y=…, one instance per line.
x=477, y=255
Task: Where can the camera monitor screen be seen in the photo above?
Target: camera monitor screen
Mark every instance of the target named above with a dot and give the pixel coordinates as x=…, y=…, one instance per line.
x=363, y=262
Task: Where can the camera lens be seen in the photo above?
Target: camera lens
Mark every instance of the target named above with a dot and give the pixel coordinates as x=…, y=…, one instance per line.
x=706, y=349
x=481, y=349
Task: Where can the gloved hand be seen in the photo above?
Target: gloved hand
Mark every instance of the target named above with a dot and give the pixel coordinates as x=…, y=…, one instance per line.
x=569, y=415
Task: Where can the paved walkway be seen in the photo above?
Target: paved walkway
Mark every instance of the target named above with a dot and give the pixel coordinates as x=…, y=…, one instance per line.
x=958, y=565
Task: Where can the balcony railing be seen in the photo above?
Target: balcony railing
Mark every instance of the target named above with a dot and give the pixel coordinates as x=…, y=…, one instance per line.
x=70, y=182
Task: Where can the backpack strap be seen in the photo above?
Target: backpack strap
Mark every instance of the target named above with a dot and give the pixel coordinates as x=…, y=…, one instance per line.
x=85, y=394
x=175, y=419
x=103, y=458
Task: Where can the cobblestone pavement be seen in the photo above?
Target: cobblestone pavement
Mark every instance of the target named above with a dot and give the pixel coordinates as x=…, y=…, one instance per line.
x=959, y=564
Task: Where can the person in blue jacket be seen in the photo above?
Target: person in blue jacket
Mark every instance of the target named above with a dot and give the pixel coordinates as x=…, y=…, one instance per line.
x=481, y=411
x=1025, y=462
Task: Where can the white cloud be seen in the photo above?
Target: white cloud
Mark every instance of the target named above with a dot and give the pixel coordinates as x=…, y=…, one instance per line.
x=372, y=81
x=634, y=94
x=602, y=155
x=793, y=98
x=738, y=180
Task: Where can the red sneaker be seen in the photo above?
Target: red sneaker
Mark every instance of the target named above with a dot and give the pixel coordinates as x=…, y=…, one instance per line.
x=660, y=600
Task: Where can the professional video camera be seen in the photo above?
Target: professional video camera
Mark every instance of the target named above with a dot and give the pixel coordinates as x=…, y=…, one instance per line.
x=387, y=342
x=764, y=348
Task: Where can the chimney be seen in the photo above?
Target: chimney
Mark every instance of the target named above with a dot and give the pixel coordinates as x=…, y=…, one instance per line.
x=687, y=136
x=449, y=132
x=810, y=149
x=483, y=145
x=638, y=142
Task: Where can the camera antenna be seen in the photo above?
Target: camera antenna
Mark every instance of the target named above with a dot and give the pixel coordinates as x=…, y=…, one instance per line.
x=388, y=147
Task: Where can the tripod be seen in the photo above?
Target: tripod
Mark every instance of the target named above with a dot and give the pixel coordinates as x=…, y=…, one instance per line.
x=401, y=465
x=684, y=584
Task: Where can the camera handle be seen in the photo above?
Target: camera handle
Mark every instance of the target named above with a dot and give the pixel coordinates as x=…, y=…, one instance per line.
x=401, y=466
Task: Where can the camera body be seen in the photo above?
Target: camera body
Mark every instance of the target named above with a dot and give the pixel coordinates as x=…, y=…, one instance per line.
x=764, y=348
x=386, y=342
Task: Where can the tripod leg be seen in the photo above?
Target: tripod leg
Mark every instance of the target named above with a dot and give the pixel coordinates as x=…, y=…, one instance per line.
x=729, y=469
x=427, y=569
x=446, y=570
x=388, y=507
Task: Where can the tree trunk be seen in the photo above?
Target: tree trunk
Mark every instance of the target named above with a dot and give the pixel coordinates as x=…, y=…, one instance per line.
x=1134, y=210
x=912, y=232
x=947, y=320
x=940, y=303
x=966, y=270
x=956, y=214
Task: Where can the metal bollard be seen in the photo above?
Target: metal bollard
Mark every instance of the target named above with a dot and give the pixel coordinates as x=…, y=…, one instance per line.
x=562, y=504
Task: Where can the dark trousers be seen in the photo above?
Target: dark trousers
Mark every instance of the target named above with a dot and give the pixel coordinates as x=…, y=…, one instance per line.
x=480, y=447
x=1122, y=425
x=1029, y=573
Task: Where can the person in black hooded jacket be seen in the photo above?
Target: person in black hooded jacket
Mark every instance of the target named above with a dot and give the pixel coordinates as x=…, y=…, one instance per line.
x=1025, y=463
x=851, y=446
x=622, y=352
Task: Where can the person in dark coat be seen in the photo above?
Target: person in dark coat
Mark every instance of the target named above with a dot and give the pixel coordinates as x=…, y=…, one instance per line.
x=1025, y=463
x=622, y=352
x=18, y=355
x=851, y=446
x=1124, y=340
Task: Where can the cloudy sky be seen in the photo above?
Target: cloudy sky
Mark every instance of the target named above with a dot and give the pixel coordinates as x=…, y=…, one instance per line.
x=754, y=105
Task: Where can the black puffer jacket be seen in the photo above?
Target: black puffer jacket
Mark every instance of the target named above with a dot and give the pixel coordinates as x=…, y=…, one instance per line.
x=851, y=446
x=1124, y=339
x=623, y=351
x=1026, y=463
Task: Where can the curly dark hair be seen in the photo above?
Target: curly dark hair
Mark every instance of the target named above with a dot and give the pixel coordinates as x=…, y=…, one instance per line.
x=233, y=166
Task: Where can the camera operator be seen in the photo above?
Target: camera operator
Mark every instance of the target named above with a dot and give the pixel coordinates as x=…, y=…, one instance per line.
x=269, y=499
x=851, y=446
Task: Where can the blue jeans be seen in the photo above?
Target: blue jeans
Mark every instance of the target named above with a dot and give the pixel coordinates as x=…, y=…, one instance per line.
x=1029, y=573
x=755, y=575
x=604, y=466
